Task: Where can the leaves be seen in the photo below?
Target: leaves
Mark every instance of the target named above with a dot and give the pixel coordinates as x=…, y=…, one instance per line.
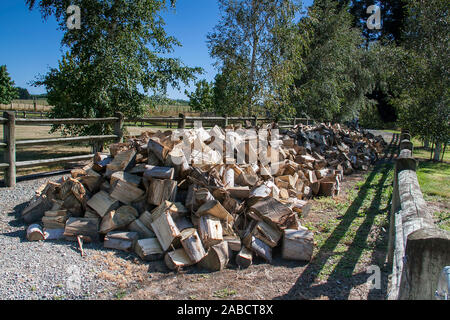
x=116, y=57
x=7, y=90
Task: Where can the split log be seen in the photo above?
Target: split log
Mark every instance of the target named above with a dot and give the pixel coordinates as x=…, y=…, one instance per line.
x=149, y=249
x=210, y=230
x=35, y=233
x=117, y=219
x=126, y=177
x=202, y=196
x=146, y=219
x=217, y=257
x=91, y=180
x=214, y=208
x=261, y=249
x=119, y=240
x=154, y=172
x=102, y=203
x=125, y=192
x=54, y=219
x=234, y=243
x=177, y=259
x=272, y=212
x=122, y=162
x=164, y=227
x=101, y=161
x=239, y=192
x=158, y=149
x=298, y=244
x=267, y=233
x=141, y=229
x=88, y=228
x=161, y=190
x=192, y=244
x=36, y=209
x=244, y=258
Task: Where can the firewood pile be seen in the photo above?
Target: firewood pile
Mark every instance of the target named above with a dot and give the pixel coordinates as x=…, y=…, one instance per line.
x=176, y=196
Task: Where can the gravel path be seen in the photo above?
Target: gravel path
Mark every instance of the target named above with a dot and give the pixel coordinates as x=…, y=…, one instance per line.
x=46, y=269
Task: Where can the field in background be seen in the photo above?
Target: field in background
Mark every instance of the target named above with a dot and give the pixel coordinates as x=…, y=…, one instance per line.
x=42, y=105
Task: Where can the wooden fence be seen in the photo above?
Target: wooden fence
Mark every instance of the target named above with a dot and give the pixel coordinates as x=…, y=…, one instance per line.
x=418, y=250
x=10, y=121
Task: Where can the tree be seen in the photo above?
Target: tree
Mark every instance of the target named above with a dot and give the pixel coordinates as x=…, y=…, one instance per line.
x=421, y=76
x=24, y=94
x=245, y=41
x=202, y=99
x=7, y=90
x=337, y=76
x=118, y=52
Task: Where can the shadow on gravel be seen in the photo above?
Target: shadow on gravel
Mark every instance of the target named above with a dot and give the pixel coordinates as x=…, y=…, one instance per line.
x=17, y=214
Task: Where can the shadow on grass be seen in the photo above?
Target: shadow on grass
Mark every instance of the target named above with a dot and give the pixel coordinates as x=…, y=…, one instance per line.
x=305, y=287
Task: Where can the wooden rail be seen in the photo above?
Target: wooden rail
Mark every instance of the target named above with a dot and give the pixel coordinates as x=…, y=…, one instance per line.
x=10, y=121
x=417, y=249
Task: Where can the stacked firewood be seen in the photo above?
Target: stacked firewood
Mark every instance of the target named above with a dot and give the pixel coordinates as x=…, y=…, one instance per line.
x=152, y=196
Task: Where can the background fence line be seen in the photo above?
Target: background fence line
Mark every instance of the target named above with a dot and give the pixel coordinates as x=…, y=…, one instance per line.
x=11, y=119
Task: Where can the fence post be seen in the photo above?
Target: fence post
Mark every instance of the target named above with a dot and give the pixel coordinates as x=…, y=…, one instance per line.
x=118, y=126
x=9, y=130
x=295, y=121
x=255, y=120
x=226, y=120
x=182, y=122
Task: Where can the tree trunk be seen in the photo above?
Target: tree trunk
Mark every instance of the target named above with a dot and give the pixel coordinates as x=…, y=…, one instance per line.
x=437, y=151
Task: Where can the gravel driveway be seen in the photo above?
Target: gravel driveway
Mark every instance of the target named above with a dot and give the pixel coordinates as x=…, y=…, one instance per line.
x=42, y=270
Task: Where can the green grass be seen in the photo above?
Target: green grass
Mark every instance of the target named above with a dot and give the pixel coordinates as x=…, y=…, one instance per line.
x=224, y=293
x=434, y=178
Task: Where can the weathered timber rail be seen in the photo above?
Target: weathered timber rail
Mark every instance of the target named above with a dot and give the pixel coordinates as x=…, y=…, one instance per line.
x=10, y=121
x=418, y=250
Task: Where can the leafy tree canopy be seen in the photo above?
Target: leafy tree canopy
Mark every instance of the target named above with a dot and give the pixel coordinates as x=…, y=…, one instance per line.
x=119, y=51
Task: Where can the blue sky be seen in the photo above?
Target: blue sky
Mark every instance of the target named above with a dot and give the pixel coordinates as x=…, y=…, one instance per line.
x=31, y=46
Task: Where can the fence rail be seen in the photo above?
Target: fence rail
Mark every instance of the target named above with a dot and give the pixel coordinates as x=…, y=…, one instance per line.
x=418, y=250
x=10, y=121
